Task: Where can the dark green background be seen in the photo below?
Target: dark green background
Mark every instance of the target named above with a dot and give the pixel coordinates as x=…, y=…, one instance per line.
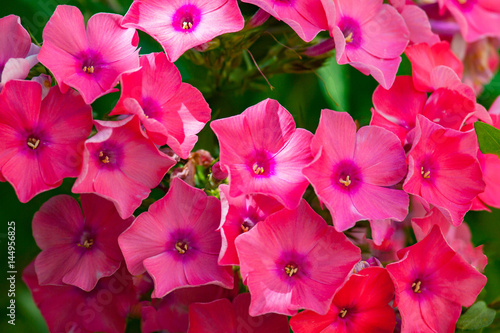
x=304, y=95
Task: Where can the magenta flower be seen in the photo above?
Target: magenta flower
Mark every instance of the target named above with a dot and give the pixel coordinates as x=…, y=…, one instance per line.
x=239, y=215
x=171, y=112
x=432, y=284
x=90, y=61
x=369, y=35
x=17, y=53
x=70, y=309
x=171, y=312
x=360, y=305
x=183, y=24
x=77, y=249
x=293, y=260
x=41, y=141
x=459, y=238
x=417, y=22
x=176, y=241
x=264, y=153
x=306, y=17
x=438, y=158
x=476, y=18
x=221, y=316
x=117, y=155
x=424, y=60
x=353, y=173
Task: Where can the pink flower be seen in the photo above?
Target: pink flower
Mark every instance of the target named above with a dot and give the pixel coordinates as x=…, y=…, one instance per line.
x=41, y=141
x=264, y=153
x=221, y=316
x=239, y=215
x=182, y=24
x=120, y=154
x=171, y=312
x=439, y=157
x=17, y=53
x=70, y=309
x=90, y=61
x=171, y=112
x=417, y=22
x=306, y=17
x=176, y=241
x=293, y=260
x=77, y=249
x=476, y=18
x=459, y=238
x=369, y=35
x=360, y=305
x=353, y=172
x=432, y=284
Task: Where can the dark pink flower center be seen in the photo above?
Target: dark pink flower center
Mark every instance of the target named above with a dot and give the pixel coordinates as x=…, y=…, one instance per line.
x=109, y=155
x=291, y=265
x=186, y=18
x=427, y=169
x=346, y=176
x=181, y=244
x=181, y=247
x=33, y=142
x=343, y=313
x=247, y=224
x=417, y=286
x=291, y=269
x=352, y=32
x=466, y=5
x=150, y=107
x=86, y=240
x=262, y=164
x=91, y=62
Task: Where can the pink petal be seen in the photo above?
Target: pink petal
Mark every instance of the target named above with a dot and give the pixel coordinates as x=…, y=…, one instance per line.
x=14, y=41
x=167, y=273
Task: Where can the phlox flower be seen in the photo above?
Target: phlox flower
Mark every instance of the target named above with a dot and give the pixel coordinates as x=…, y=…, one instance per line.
x=443, y=168
x=182, y=24
x=369, y=35
x=92, y=60
x=222, y=316
x=360, y=305
x=306, y=17
x=70, y=309
x=171, y=112
x=239, y=215
x=77, y=249
x=432, y=284
x=293, y=260
x=41, y=141
x=476, y=18
x=176, y=241
x=17, y=53
x=121, y=165
x=170, y=313
x=264, y=153
x=353, y=172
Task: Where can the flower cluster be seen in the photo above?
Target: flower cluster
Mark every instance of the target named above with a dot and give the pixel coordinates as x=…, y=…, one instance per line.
x=242, y=242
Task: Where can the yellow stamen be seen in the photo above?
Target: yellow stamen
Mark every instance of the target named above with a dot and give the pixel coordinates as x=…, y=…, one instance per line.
x=349, y=38
x=258, y=170
x=425, y=174
x=181, y=247
x=343, y=313
x=244, y=228
x=462, y=2
x=33, y=143
x=345, y=182
x=187, y=25
x=87, y=244
x=416, y=287
x=290, y=270
x=104, y=159
x=89, y=69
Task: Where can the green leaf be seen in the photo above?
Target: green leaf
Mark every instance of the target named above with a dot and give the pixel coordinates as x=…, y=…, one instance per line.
x=488, y=137
x=477, y=316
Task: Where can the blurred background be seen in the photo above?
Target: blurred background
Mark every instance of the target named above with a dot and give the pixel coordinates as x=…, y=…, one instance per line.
x=302, y=91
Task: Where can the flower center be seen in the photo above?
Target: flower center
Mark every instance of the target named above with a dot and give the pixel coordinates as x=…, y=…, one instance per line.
x=247, y=225
x=257, y=169
x=343, y=313
x=424, y=173
x=352, y=32
x=181, y=247
x=345, y=182
x=291, y=269
x=103, y=157
x=86, y=241
x=186, y=18
x=416, y=286
x=33, y=142
x=186, y=25
x=88, y=69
